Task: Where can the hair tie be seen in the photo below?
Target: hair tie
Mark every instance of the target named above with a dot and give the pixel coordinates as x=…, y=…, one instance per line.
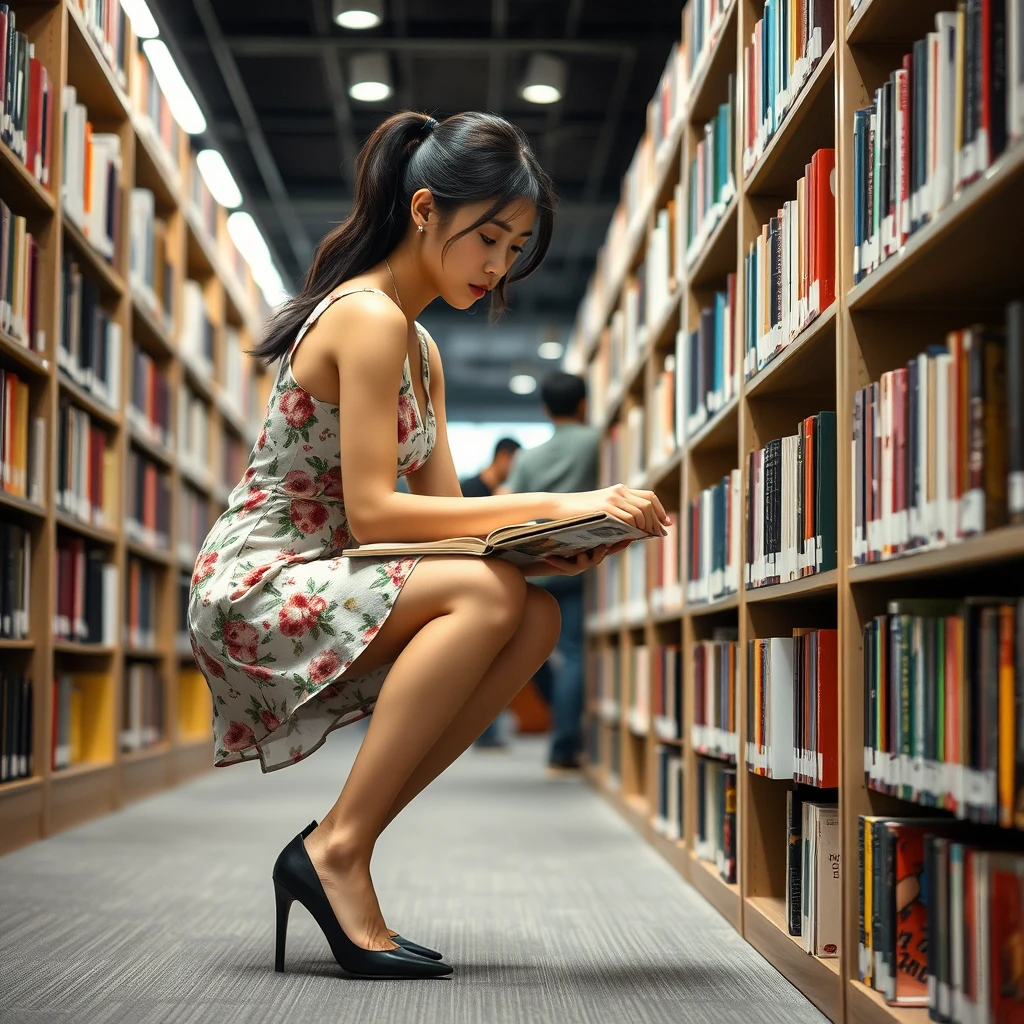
x=428, y=127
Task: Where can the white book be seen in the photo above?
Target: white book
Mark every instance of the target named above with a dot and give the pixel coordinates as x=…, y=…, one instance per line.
x=1015, y=68
x=780, y=707
x=827, y=896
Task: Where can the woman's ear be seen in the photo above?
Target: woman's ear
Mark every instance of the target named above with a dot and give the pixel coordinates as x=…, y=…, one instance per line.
x=421, y=207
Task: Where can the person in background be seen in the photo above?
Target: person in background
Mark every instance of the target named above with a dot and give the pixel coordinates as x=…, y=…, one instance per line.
x=491, y=477
x=566, y=462
x=483, y=485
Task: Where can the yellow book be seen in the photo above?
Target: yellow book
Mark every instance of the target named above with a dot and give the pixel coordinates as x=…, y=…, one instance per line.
x=21, y=400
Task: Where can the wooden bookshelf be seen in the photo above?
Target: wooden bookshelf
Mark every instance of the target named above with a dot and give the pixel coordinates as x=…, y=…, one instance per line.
x=106, y=777
x=958, y=269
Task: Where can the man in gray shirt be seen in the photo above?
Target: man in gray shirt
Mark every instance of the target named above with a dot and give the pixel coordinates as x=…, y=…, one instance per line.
x=566, y=462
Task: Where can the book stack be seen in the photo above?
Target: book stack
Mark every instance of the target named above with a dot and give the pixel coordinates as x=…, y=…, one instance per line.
x=702, y=25
x=711, y=183
x=149, y=408
x=814, y=876
x=713, y=542
x=142, y=710
x=939, y=919
x=193, y=522
x=708, y=360
x=939, y=121
x=87, y=470
x=89, y=349
x=667, y=686
x=22, y=440
x=668, y=801
x=791, y=505
x=150, y=273
x=665, y=421
x=141, y=604
x=193, y=432
x=147, y=502
x=107, y=23
x=149, y=102
x=15, y=726
x=638, y=681
x=790, y=267
x=715, y=839
x=713, y=731
x=87, y=593
x=784, y=50
x=666, y=589
x=196, y=340
x=793, y=701
x=930, y=454
x=91, y=178
x=19, y=281
x=15, y=577
x=942, y=681
x=26, y=99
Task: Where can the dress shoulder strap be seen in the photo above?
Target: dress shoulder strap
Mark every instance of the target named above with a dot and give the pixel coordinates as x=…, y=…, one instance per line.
x=319, y=309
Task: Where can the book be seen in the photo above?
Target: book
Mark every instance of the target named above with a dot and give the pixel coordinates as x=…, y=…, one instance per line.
x=521, y=543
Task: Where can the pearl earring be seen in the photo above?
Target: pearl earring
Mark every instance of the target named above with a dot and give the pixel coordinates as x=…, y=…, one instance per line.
x=421, y=229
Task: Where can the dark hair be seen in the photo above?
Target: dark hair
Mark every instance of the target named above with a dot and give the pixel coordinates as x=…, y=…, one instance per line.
x=562, y=393
x=507, y=444
x=467, y=158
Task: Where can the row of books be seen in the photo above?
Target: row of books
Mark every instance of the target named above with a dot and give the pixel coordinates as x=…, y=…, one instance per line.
x=814, y=892
x=715, y=837
x=91, y=178
x=86, y=592
x=942, y=685
x=713, y=541
x=19, y=281
x=785, y=47
x=15, y=726
x=666, y=587
x=711, y=182
x=790, y=268
x=147, y=502
x=15, y=578
x=87, y=467
x=142, y=707
x=940, y=913
x=194, y=430
x=193, y=521
x=708, y=360
x=663, y=261
x=933, y=461
x=703, y=21
x=667, y=709
x=605, y=669
x=713, y=730
x=624, y=455
x=621, y=583
x=89, y=346
x=141, y=610
x=665, y=430
x=82, y=724
x=107, y=23
x=149, y=404
x=22, y=439
x=203, y=205
x=150, y=272
x=666, y=106
x=668, y=792
x=938, y=122
x=793, y=707
x=791, y=505
x=196, y=339
x=26, y=99
x=154, y=112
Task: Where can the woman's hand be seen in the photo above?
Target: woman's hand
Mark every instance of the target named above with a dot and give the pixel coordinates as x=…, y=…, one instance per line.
x=587, y=560
x=642, y=509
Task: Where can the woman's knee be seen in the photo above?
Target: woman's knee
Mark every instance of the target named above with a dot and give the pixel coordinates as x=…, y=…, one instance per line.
x=492, y=591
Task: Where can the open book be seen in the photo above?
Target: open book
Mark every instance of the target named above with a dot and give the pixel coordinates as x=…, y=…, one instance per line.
x=523, y=543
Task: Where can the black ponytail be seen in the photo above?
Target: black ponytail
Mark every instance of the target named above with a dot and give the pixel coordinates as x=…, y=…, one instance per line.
x=467, y=158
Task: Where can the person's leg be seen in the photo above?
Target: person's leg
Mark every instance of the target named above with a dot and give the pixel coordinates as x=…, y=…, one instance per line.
x=544, y=683
x=447, y=605
x=567, y=697
x=491, y=736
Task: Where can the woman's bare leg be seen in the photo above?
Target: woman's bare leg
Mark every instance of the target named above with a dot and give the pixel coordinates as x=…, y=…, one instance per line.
x=511, y=670
x=450, y=621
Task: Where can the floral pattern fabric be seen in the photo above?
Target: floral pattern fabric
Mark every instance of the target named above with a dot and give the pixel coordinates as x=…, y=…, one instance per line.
x=276, y=616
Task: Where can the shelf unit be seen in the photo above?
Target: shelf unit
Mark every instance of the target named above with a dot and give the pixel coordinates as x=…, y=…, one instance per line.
x=51, y=800
x=960, y=267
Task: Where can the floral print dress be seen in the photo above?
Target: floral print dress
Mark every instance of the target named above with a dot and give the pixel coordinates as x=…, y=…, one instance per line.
x=275, y=614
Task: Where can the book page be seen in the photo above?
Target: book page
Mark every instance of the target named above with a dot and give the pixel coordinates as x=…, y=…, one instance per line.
x=570, y=541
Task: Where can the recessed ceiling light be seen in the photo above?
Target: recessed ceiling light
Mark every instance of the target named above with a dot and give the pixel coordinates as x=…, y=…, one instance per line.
x=358, y=14
x=370, y=77
x=522, y=384
x=544, y=81
x=551, y=350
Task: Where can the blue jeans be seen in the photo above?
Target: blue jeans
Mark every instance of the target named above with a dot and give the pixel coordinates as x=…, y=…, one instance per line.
x=560, y=679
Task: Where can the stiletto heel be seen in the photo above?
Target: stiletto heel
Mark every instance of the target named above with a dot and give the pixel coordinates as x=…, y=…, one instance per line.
x=284, y=901
x=295, y=878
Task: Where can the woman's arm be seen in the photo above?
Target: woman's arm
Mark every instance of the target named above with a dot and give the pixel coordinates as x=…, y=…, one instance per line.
x=372, y=337
x=437, y=475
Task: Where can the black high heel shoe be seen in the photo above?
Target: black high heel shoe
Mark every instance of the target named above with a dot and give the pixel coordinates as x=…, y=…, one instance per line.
x=400, y=940
x=295, y=878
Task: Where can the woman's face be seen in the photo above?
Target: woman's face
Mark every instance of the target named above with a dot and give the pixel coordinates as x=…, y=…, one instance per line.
x=477, y=261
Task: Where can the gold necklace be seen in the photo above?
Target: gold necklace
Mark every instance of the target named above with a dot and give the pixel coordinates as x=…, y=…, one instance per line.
x=398, y=298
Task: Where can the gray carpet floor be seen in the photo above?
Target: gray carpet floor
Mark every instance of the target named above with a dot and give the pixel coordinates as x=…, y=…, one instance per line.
x=546, y=903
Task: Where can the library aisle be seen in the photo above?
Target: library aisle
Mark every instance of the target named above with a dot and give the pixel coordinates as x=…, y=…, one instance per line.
x=548, y=905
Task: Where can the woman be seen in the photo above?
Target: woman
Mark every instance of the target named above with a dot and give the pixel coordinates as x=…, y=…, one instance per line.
x=296, y=640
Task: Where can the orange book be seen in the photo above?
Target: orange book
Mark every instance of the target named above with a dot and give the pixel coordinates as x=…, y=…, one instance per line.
x=954, y=656
x=1006, y=938
x=1007, y=717
x=87, y=176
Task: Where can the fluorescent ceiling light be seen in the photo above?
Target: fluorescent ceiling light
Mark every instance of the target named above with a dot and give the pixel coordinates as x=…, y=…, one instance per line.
x=370, y=77
x=251, y=244
x=522, y=384
x=142, y=20
x=358, y=14
x=551, y=350
x=218, y=178
x=544, y=81
x=179, y=96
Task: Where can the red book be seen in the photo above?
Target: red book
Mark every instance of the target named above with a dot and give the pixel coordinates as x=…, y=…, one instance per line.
x=827, y=696
x=902, y=225
x=823, y=165
x=1006, y=938
x=899, y=498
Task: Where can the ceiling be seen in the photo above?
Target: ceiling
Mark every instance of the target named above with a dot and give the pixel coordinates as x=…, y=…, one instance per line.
x=272, y=80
